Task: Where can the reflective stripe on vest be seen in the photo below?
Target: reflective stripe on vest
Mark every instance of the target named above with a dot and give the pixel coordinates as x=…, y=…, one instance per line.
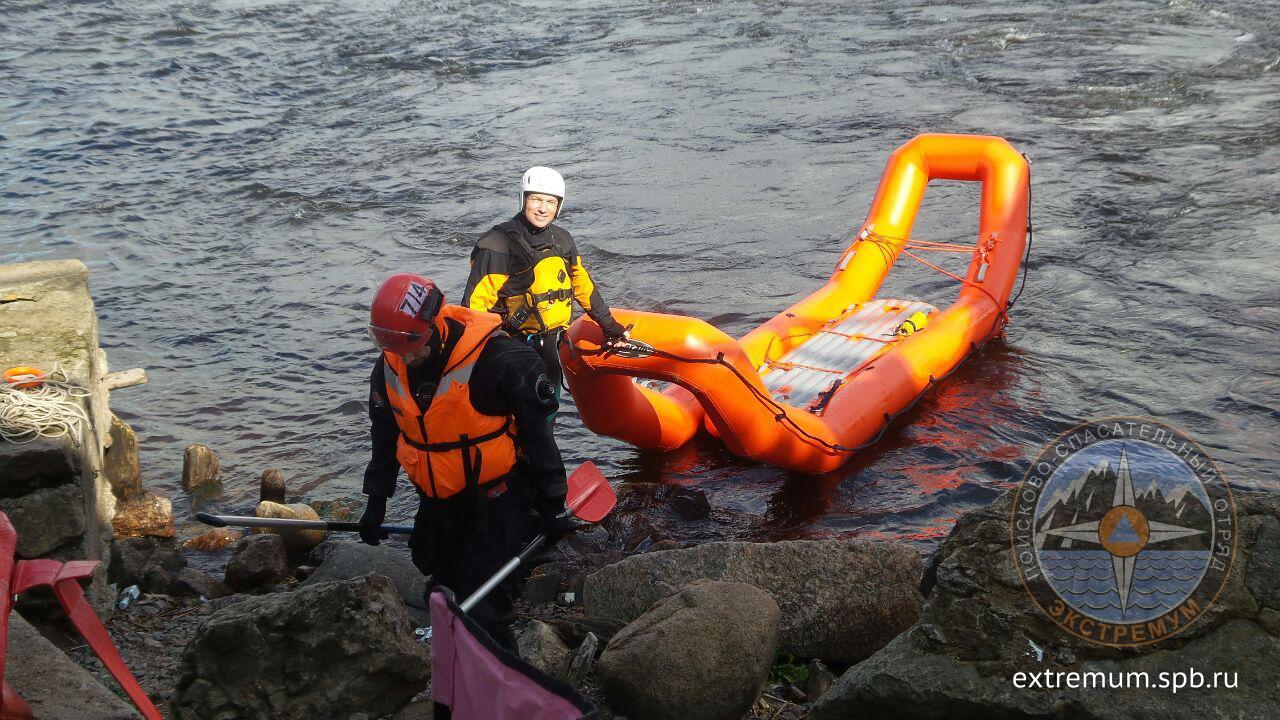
x=451, y=445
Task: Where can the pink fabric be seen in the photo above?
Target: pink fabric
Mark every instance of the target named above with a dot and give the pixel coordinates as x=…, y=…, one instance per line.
x=486, y=683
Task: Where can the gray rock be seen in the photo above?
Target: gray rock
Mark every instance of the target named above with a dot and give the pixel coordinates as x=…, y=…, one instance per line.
x=542, y=648
x=296, y=542
x=272, y=488
x=33, y=661
x=979, y=627
x=146, y=562
x=200, y=470
x=145, y=513
x=421, y=710
x=343, y=561
x=194, y=583
x=840, y=600
x=701, y=654
x=256, y=561
x=46, y=519
x=331, y=650
x=120, y=460
x=36, y=465
x=542, y=584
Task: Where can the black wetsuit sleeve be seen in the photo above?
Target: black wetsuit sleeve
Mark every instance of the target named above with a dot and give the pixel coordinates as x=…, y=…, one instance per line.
x=490, y=271
x=510, y=379
x=588, y=295
x=383, y=469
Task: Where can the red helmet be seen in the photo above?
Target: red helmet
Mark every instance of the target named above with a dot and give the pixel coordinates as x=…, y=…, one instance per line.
x=403, y=313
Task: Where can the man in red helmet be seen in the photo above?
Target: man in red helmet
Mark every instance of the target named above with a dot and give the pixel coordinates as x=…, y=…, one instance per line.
x=461, y=407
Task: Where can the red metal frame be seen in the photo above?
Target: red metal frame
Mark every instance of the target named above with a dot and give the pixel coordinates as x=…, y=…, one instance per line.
x=18, y=576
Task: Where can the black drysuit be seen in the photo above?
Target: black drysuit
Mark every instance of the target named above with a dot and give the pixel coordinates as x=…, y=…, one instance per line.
x=462, y=540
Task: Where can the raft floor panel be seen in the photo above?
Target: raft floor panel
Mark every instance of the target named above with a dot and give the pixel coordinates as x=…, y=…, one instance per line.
x=806, y=376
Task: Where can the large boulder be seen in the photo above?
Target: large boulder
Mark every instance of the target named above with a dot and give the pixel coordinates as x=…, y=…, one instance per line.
x=120, y=460
x=46, y=519
x=296, y=542
x=541, y=647
x=701, y=654
x=979, y=628
x=200, y=470
x=151, y=564
x=256, y=561
x=841, y=600
x=343, y=561
x=331, y=650
x=145, y=513
x=54, y=686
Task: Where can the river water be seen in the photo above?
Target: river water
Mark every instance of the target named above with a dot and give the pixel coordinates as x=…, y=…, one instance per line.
x=239, y=176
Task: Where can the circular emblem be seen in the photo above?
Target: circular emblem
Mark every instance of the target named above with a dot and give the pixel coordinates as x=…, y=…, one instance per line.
x=1124, y=531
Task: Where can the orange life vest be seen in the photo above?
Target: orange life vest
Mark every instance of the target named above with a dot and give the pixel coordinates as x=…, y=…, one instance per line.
x=451, y=445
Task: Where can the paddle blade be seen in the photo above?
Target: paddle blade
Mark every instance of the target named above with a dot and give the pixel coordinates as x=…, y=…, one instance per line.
x=590, y=495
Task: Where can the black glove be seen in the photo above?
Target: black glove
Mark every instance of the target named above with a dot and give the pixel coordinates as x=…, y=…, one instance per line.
x=555, y=526
x=375, y=511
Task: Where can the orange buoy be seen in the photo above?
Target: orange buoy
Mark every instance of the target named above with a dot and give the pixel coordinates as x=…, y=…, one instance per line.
x=24, y=377
x=811, y=386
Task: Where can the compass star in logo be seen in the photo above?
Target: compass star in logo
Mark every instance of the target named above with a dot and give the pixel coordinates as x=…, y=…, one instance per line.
x=1124, y=532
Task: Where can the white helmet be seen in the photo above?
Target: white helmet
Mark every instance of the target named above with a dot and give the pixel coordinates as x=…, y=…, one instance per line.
x=542, y=180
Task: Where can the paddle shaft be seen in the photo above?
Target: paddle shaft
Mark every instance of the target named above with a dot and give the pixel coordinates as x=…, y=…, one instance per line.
x=290, y=524
x=528, y=551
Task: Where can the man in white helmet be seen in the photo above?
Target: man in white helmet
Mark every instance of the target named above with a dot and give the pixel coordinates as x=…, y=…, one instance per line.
x=528, y=270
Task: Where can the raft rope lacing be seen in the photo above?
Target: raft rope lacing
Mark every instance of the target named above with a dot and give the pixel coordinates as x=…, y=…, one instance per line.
x=48, y=410
x=780, y=412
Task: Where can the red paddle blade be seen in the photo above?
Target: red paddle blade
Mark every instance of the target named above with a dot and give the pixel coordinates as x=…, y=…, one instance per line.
x=590, y=495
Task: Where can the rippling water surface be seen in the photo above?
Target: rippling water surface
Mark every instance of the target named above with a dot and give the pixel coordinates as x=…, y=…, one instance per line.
x=239, y=176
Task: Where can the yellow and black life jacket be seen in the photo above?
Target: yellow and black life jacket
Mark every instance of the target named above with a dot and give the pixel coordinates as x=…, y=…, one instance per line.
x=548, y=302
x=451, y=446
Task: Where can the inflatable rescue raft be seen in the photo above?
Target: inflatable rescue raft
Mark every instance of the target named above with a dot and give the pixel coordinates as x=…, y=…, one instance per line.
x=824, y=377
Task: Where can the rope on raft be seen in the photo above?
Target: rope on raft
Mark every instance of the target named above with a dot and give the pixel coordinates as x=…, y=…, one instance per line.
x=48, y=409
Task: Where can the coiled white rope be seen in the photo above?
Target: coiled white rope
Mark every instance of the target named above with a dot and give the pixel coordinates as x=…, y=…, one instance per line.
x=47, y=410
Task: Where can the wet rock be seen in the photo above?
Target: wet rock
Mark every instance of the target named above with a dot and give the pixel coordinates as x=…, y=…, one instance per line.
x=271, y=488
x=213, y=540
x=542, y=648
x=193, y=583
x=120, y=460
x=296, y=542
x=344, y=561
x=46, y=519
x=841, y=600
x=256, y=561
x=200, y=470
x=330, y=650
x=588, y=540
x=145, y=513
x=342, y=509
x=689, y=503
x=991, y=629
x=701, y=654
x=542, y=585
x=31, y=665
x=149, y=563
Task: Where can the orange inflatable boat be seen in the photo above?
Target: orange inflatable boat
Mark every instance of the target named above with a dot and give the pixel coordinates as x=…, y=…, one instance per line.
x=824, y=377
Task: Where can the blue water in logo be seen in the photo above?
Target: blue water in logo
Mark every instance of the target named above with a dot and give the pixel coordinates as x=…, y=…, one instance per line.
x=1162, y=579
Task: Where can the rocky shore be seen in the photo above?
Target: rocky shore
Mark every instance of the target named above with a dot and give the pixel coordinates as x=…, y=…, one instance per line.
x=292, y=624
